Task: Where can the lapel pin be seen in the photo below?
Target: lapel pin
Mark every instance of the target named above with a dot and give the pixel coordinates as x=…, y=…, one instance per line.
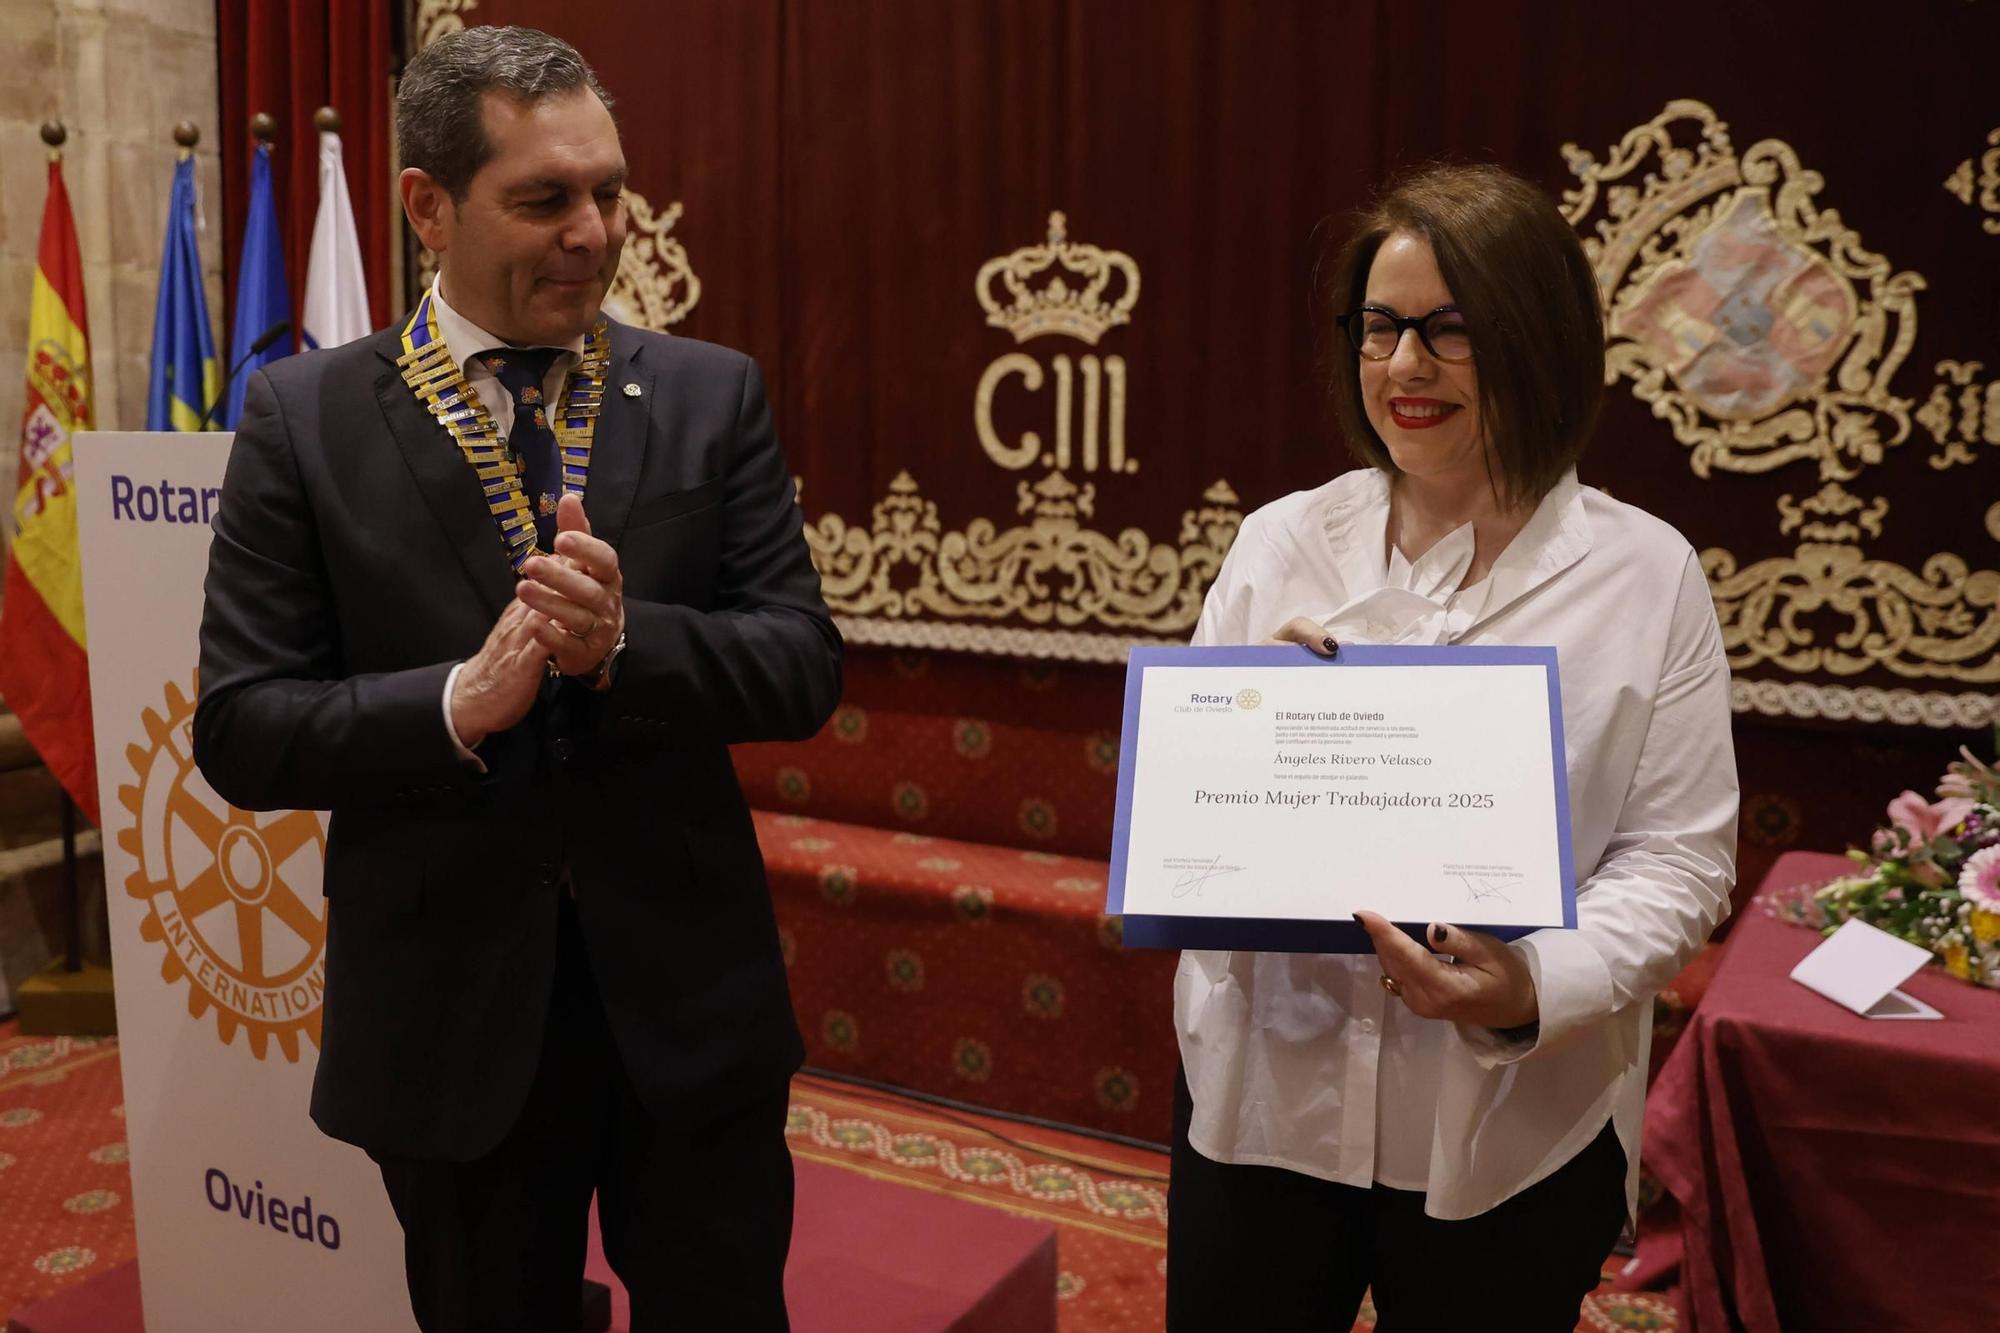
x=631, y=391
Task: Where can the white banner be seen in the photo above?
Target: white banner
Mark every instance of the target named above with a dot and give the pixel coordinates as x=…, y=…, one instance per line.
x=248, y=1217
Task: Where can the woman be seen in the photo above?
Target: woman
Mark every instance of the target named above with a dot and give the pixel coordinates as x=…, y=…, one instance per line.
x=1459, y=1125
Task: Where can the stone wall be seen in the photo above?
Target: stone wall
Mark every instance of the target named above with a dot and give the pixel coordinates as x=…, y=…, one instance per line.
x=119, y=74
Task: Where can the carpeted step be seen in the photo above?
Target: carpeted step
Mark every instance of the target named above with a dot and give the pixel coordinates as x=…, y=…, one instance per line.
x=988, y=975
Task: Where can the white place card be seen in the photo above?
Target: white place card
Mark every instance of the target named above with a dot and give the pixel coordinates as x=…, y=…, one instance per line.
x=1860, y=966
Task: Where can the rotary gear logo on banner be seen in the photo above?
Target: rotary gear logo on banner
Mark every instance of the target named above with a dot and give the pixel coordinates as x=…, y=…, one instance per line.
x=234, y=896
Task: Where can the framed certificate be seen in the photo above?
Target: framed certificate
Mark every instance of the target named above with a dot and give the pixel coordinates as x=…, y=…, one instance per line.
x=1267, y=794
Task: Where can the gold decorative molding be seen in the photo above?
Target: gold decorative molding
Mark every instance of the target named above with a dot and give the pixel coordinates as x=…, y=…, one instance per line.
x=1752, y=321
x=1052, y=645
x=655, y=287
x=435, y=18
x=1962, y=183
x=1832, y=502
x=1841, y=703
x=1942, y=623
x=1959, y=403
x=1073, y=306
x=1048, y=572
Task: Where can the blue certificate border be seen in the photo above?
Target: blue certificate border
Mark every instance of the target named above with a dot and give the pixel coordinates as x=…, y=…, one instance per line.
x=1272, y=935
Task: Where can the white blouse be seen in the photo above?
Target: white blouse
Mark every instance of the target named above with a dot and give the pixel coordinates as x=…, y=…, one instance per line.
x=1302, y=1060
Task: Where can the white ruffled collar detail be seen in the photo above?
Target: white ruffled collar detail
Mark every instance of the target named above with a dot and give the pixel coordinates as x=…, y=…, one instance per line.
x=1418, y=603
x=1423, y=602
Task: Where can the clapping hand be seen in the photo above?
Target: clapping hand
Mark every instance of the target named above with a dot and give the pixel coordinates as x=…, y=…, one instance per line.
x=497, y=685
x=578, y=590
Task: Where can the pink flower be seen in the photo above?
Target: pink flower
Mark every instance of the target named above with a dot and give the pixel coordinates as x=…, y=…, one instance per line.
x=1923, y=820
x=1969, y=777
x=1979, y=879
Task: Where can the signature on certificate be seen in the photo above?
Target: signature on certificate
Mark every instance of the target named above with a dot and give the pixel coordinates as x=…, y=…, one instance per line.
x=1200, y=873
x=1483, y=890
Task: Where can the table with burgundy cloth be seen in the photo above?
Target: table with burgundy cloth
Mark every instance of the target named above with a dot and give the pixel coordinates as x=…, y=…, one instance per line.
x=1833, y=1172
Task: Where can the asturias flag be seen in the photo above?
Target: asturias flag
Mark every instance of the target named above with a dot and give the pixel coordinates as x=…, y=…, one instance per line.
x=43, y=672
x=185, y=375
x=263, y=299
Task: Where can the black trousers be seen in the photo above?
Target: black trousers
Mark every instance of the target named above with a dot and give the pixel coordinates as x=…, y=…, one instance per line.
x=697, y=1219
x=1260, y=1247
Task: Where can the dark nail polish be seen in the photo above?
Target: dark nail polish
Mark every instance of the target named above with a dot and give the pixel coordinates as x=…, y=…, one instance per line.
x=1331, y=644
x=1437, y=934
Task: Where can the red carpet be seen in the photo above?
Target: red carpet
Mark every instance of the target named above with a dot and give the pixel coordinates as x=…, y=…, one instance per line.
x=65, y=1214
x=1107, y=1202
x=65, y=1193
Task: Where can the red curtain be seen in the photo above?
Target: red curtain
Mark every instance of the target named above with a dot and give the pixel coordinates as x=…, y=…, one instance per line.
x=290, y=58
x=846, y=169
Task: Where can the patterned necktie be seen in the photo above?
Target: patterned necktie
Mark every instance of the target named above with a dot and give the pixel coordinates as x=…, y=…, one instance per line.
x=522, y=372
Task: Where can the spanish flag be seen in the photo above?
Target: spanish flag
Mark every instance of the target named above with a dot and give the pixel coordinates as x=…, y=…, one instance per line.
x=43, y=673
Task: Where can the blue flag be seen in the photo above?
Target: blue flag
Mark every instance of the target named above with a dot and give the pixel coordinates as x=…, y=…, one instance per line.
x=184, y=375
x=263, y=300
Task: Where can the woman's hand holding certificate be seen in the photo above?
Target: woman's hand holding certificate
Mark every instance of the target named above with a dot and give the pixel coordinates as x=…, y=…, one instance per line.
x=1472, y=978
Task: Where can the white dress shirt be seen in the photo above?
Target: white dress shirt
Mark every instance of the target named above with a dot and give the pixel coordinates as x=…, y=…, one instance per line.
x=1303, y=1061
x=465, y=340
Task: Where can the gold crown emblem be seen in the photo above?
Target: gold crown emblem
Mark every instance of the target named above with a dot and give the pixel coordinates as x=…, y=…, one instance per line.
x=1071, y=303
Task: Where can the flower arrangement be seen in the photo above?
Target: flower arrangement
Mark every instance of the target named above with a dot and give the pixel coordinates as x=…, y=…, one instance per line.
x=1931, y=875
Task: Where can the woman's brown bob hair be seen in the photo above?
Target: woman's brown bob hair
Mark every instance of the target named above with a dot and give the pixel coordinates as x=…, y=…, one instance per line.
x=1518, y=272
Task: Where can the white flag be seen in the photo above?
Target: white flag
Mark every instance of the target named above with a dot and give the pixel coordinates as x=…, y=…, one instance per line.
x=336, y=292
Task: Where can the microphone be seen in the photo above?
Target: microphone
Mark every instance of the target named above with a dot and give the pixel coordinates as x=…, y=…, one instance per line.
x=262, y=345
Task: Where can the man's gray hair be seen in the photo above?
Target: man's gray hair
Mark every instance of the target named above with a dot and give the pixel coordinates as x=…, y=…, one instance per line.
x=438, y=125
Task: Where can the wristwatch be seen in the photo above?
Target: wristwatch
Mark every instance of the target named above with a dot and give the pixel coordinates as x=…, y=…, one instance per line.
x=600, y=679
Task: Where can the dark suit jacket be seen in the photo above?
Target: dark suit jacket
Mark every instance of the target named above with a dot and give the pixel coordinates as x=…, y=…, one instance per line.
x=354, y=563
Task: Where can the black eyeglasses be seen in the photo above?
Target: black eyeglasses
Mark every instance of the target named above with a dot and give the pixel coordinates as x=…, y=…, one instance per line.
x=1376, y=331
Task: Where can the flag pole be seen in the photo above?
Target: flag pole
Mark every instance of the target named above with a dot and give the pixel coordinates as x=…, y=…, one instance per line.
x=73, y=962
x=55, y=135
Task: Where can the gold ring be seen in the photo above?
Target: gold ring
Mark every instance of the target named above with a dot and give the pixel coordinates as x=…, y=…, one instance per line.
x=1390, y=984
x=584, y=634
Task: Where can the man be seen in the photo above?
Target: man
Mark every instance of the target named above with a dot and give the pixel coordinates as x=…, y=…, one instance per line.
x=551, y=962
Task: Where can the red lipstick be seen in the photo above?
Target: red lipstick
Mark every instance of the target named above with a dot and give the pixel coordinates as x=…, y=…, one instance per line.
x=1420, y=413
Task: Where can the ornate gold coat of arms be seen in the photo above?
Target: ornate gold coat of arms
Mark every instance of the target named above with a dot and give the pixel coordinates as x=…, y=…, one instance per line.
x=1756, y=325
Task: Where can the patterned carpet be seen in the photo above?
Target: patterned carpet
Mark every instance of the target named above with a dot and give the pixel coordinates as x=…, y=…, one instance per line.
x=65, y=1213
x=1107, y=1202
x=65, y=1210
